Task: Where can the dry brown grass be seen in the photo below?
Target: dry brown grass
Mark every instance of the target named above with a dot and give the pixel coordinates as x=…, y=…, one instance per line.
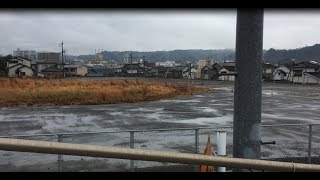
x=29, y=91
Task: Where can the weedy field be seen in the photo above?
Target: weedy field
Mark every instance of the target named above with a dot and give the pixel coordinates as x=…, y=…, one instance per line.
x=31, y=91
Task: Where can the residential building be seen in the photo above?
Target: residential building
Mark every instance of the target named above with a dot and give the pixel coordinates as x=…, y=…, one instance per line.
x=227, y=72
x=149, y=64
x=52, y=72
x=210, y=72
x=19, y=67
x=75, y=70
x=49, y=56
x=126, y=58
x=267, y=71
x=201, y=64
x=281, y=73
x=176, y=72
x=189, y=73
x=153, y=71
x=20, y=70
x=100, y=71
x=18, y=60
x=28, y=54
x=133, y=69
x=110, y=63
x=45, y=64
x=116, y=70
x=312, y=77
x=166, y=63
x=299, y=70
x=163, y=72
x=98, y=61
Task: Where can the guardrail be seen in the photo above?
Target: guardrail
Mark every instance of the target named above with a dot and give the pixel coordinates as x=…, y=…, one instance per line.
x=147, y=155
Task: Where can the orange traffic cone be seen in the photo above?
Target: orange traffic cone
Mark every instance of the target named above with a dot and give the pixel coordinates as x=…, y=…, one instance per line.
x=207, y=151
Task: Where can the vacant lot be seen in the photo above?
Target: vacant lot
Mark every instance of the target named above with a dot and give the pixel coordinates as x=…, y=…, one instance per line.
x=281, y=104
x=27, y=91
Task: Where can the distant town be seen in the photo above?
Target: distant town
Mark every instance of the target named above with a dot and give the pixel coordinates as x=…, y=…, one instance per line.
x=29, y=63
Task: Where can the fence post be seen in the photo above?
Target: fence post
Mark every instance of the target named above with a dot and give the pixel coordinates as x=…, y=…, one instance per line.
x=60, y=156
x=196, y=146
x=221, y=147
x=132, y=147
x=309, y=143
x=196, y=141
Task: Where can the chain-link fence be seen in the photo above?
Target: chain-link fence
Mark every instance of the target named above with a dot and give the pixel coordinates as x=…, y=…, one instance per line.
x=291, y=143
x=288, y=143
x=23, y=161
x=80, y=163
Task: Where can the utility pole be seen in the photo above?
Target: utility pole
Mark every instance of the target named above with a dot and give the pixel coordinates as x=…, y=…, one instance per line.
x=62, y=58
x=248, y=85
x=131, y=62
x=189, y=66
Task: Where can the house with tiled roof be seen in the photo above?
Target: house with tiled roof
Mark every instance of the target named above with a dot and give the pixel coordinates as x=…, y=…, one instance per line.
x=20, y=67
x=299, y=71
x=210, y=71
x=227, y=72
x=52, y=72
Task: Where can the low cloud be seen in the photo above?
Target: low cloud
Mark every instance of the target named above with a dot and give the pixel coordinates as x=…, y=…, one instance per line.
x=83, y=32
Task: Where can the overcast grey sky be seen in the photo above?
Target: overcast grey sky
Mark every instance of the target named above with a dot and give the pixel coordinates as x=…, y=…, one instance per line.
x=85, y=31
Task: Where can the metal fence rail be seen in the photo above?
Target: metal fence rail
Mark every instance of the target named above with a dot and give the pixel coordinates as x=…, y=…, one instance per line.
x=147, y=155
x=299, y=143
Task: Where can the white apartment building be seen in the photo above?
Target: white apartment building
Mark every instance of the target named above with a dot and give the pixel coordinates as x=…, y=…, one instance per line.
x=28, y=54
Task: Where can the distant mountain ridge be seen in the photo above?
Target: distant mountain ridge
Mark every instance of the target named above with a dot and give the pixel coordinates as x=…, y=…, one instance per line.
x=192, y=55
x=308, y=53
x=273, y=56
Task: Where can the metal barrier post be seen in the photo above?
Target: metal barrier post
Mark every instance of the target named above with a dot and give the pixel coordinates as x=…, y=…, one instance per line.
x=132, y=147
x=60, y=156
x=221, y=147
x=309, y=143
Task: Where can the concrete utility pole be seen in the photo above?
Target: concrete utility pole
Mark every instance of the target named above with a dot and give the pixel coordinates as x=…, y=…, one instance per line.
x=131, y=63
x=248, y=85
x=189, y=66
x=62, y=58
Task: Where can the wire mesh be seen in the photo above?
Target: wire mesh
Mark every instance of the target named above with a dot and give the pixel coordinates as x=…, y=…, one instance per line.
x=291, y=145
x=85, y=164
x=315, y=145
x=11, y=161
x=182, y=141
